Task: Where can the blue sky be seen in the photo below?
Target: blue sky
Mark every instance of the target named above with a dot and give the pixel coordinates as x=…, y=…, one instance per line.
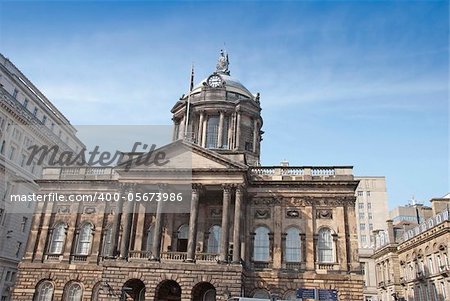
x=342, y=83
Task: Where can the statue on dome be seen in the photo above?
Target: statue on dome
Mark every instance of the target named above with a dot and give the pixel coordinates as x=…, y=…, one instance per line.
x=222, y=64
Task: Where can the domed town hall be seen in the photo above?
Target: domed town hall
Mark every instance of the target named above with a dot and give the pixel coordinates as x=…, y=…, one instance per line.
x=249, y=230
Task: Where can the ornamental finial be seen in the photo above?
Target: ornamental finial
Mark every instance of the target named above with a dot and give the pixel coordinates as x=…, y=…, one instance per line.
x=223, y=62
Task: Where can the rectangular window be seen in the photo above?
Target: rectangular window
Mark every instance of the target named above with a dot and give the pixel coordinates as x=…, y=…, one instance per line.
x=371, y=227
x=369, y=206
x=24, y=223
x=35, y=111
x=11, y=153
x=362, y=226
x=52, y=126
x=368, y=193
x=360, y=205
x=15, y=93
x=363, y=239
x=44, y=119
x=360, y=193
x=25, y=103
x=18, y=249
x=361, y=215
x=2, y=211
x=8, y=276
x=370, y=215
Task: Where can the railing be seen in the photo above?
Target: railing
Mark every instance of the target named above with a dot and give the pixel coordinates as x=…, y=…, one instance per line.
x=260, y=265
x=294, y=266
x=53, y=257
x=298, y=172
x=207, y=257
x=139, y=254
x=325, y=266
x=78, y=173
x=79, y=258
x=175, y=256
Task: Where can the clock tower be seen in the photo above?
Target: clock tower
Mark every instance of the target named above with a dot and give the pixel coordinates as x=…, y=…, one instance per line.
x=220, y=114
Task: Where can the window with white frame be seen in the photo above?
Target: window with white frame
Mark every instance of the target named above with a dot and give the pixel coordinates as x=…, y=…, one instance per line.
x=44, y=291
x=58, y=239
x=73, y=292
x=293, y=245
x=84, y=240
x=325, y=246
x=261, y=245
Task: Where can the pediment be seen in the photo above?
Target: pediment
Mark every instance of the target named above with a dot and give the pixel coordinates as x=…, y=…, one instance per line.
x=180, y=155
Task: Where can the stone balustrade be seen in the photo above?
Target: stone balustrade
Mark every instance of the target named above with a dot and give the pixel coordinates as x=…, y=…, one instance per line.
x=299, y=173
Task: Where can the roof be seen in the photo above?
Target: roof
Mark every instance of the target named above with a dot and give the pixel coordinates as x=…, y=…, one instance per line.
x=231, y=84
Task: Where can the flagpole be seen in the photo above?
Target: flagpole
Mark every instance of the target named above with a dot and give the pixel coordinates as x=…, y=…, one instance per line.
x=191, y=86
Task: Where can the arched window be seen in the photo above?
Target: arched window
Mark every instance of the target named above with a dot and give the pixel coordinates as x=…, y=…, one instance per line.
x=214, y=239
x=182, y=238
x=325, y=246
x=44, y=291
x=261, y=245
x=58, y=239
x=212, y=129
x=73, y=292
x=150, y=235
x=84, y=240
x=293, y=245
x=108, y=242
x=261, y=294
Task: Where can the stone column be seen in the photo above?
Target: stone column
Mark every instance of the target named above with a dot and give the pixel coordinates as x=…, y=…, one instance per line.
x=182, y=127
x=205, y=125
x=139, y=243
x=277, y=237
x=127, y=224
x=255, y=136
x=157, y=236
x=200, y=128
x=116, y=225
x=43, y=230
x=225, y=226
x=192, y=237
x=220, y=131
x=237, y=225
x=238, y=131
x=310, y=250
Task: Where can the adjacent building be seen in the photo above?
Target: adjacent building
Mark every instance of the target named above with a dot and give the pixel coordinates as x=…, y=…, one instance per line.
x=412, y=258
x=371, y=212
x=27, y=118
x=251, y=230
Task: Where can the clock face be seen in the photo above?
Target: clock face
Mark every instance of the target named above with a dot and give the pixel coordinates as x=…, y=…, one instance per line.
x=215, y=81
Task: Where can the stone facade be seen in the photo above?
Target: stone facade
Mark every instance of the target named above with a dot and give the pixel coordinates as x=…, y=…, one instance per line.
x=412, y=259
x=27, y=118
x=250, y=231
x=371, y=213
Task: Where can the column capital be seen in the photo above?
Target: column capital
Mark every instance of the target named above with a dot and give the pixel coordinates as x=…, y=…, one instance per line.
x=240, y=188
x=127, y=186
x=227, y=187
x=197, y=188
